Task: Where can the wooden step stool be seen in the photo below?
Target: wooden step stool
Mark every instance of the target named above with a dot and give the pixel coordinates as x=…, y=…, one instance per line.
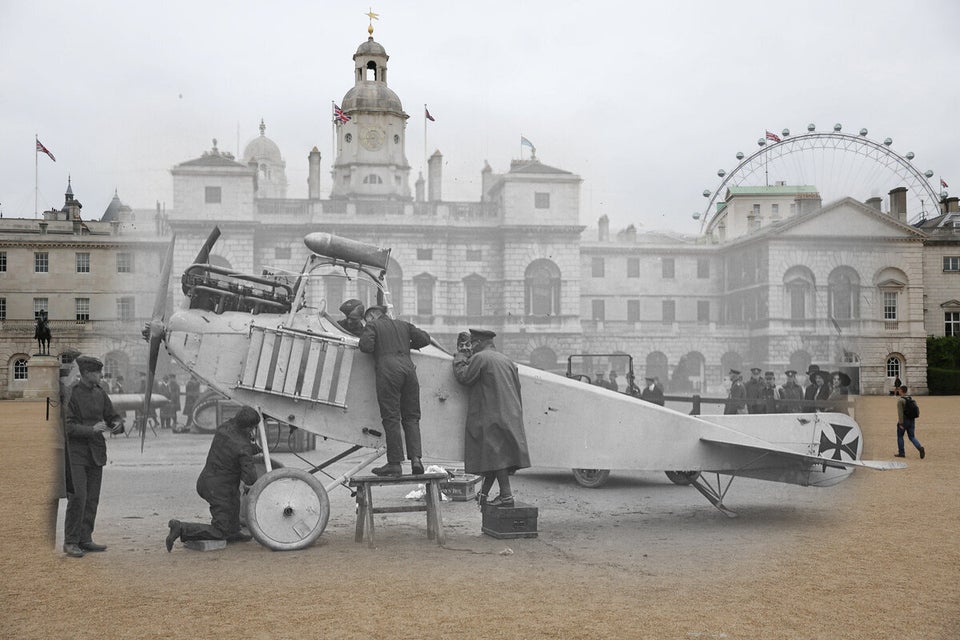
x=365, y=508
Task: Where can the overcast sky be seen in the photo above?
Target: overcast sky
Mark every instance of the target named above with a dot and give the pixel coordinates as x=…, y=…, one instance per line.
x=644, y=101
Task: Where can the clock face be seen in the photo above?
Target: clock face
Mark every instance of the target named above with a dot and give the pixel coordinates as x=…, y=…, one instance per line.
x=372, y=139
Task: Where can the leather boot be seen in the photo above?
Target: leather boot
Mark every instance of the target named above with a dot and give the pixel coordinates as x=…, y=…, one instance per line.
x=416, y=467
x=389, y=469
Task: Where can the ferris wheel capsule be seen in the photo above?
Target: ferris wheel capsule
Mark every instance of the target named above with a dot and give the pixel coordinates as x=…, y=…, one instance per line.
x=739, y=155
x=837, y=127
x=863, y=131
x=888, y=141
x=909, y=155
x=928, y=173
x=696, y=215
x=721, y=173
x=811, y=127
x=761, y=142
x=706, y=193
x=785, y=132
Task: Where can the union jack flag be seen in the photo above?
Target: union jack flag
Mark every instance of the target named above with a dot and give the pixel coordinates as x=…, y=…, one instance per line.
x=773, y=136
x=943, y=183
x=43, y=149
x=339, y=115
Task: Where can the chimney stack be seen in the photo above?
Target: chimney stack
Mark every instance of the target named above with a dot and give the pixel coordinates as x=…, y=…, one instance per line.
x=953, y=205
x=313, y=175
x=898, y=203
x=486, y=180
x=874, y=202
x=603, y=223
x=419, y=187
x=434, y=177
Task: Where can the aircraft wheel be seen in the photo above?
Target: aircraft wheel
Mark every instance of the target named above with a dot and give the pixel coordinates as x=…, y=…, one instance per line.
x=591, y=478
x=204, y=416
x=287, y=509
x=683, y=477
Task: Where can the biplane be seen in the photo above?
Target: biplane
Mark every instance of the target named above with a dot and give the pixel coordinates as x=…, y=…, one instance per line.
x=267, y=341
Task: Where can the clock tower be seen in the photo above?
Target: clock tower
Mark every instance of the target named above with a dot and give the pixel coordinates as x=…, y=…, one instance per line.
x=371, y=133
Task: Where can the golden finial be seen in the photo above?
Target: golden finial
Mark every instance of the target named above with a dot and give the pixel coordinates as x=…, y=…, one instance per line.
x=373, y=16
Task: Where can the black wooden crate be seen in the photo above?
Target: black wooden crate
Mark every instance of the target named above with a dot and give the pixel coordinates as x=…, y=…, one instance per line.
x=518, y=521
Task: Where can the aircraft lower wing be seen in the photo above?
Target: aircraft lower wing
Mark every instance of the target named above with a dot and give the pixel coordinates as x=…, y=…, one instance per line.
x=767, y=450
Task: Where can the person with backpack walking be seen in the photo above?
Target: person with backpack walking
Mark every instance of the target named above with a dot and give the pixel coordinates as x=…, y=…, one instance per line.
x=907, y=413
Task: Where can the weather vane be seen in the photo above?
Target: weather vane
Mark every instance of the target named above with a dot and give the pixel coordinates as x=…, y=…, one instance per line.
x=373, y=16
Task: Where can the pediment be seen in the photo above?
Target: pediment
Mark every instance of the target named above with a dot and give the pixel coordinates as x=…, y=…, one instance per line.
x=848, y=218
x=950, y=304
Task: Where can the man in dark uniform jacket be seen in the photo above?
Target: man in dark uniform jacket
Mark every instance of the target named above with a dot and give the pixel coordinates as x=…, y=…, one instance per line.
x=398, y=388
x=753, y=387
x=792, y=391
x=736, y=400
x=229, y=461
x=352, y=322
x=89, y=415
x=652, y=392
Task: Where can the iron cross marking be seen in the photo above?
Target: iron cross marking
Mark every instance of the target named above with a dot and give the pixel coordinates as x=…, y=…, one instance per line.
x=837, y=445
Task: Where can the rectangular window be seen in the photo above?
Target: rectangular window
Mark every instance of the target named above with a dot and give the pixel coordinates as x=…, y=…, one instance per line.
x=889, y=305
x=951, y=263
x=83, y=263
x=798, y=303
x=3, y=261
x=703, y=268
x=669, y=311
x=756, y=211
x=41, y=262
x=3, y=309
x=83, y=309
x=474, y=292
x=668, y=267
x=40, y=304
x=703, y=311
x=211, y=195
x=633, y=311
x=124, y=262
x=125, y=309
x=598, y=310
x=425, y=297
x=951, y=323
x=633, y=267
x=474, y=255
x=281, y=253
x=424, y=254
x=775, y=211
x=541, y=200
x=596, y=267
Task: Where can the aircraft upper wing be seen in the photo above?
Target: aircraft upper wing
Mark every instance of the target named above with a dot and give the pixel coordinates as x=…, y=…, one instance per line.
x=759, y=447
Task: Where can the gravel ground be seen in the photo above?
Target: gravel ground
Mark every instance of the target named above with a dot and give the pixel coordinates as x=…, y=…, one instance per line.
x=875, y=557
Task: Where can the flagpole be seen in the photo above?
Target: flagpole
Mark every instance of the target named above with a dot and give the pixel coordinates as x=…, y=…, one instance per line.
x=423, y=167
x=333, y=136
x=36, y=183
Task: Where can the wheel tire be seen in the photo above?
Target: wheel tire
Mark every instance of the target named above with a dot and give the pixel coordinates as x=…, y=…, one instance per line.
x=204, y=416
x=287, y=509
x=591, y=478
x=683, y=477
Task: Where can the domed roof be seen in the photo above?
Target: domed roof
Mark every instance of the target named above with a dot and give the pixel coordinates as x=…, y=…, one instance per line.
x=262, y=147
x=372, y=96
x=371, y=48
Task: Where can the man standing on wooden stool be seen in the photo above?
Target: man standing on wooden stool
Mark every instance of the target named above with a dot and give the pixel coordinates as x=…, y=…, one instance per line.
x=230, y=460
x=398, y=388
x=495, y=443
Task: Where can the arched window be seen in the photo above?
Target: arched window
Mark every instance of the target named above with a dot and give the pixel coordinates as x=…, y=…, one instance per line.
x=543, y=358
x=20, y=369
x=542, y=288
x=894, y=367
x=844, y=300
x=657, y=366
x=372, y=179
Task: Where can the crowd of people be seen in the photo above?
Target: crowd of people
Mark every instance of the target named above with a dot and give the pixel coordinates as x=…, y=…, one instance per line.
x=761, y=393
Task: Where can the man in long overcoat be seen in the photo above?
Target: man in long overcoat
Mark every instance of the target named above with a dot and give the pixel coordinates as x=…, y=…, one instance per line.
x=495, y=443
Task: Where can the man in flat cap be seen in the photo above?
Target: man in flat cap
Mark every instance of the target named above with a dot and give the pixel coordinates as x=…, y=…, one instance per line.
x=495, y=443
x=736, y=399
x=792, y=392
x=352, y=322
x=398, y=388
x=229, y=461
x=89, y=415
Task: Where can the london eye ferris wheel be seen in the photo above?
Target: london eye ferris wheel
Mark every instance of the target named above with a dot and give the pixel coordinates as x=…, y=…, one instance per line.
x=838, y=164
